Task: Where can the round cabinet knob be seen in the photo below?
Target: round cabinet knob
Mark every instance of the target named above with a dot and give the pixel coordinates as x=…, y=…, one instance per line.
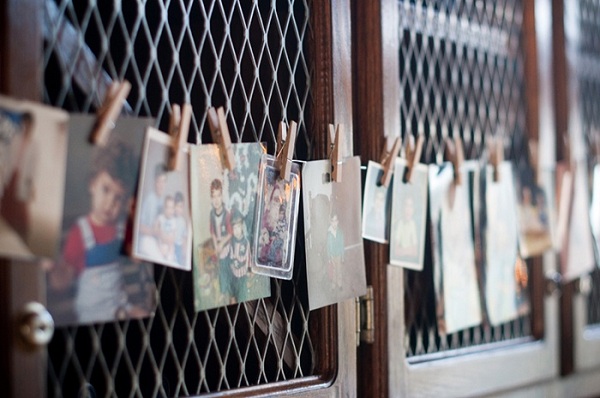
x=36, y=325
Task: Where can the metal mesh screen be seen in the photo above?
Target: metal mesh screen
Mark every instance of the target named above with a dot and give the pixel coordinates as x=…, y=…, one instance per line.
x=250, y=57
x=461, y=70
x=587, y=70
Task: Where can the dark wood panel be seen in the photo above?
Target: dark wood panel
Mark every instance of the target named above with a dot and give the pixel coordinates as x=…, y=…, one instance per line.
x=21, y=370
x=369, y=120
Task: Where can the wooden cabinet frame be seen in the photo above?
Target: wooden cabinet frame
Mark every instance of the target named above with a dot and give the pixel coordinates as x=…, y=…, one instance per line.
x=22, y=371
x=583, y=339
x=383, y=367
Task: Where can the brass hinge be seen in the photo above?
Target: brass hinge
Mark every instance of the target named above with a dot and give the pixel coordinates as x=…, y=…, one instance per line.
x=365, y=318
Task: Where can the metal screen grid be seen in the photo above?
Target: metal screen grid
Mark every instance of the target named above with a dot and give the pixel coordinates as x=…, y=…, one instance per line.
x=249, y=57
x=588, y=75
x=461, y=73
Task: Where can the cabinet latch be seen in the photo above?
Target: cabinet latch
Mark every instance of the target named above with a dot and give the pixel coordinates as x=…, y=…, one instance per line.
x=365, y=319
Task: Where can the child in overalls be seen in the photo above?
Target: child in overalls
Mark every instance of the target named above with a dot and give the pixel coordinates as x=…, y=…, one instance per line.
x=93, y=245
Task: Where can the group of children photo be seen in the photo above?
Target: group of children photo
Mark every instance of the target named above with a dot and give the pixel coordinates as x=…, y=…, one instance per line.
x=224, y=230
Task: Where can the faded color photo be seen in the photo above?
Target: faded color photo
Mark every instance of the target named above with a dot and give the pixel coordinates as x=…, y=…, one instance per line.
x=33, y=150
x=335, y=263
x=534, y=215
x=93, y=280
x=376, y=206
x=223, y=211
x=577, y=252
x=595, y=209
x=409, y=217
x=501, y=246
x=163, y=229
x=276, y=220
x=455, y=277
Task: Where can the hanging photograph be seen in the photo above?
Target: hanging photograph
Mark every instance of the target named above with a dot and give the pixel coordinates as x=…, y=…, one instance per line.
x=577, y=255
x=93, y=280
x=534, y=215
x=501, y=245
x=595, y=209
x=223, y=211
x=163, y=230
x=455, y=276
x=33, y=149
x=335, y=264
x=376, y=206
x=409, y=217
x=278, y=202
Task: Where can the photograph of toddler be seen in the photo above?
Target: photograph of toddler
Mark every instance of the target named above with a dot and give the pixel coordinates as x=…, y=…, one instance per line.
x=93, y=281
x=409, y=215
x=335, y=263
x=162, y=232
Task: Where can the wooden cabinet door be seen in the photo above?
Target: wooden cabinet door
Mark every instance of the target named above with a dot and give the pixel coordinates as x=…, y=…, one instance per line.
x=456, y=67
x=21, y=366
x=264, y=62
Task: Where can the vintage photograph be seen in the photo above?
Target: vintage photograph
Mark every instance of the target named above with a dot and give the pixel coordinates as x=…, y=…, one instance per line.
x=33, y=150
x=409, y=217
x=534, y=215
x=93, y=280
x=501, y=246
x=163, y=228
x=335, y=264
x=223, y=211
x=376, y=206
x=455, y=276
x=276, y=220
x=595, y=209
x=577, y=253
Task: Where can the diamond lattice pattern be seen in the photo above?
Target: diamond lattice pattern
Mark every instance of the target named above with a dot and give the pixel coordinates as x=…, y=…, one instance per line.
x=249, y=57
x=461, y=72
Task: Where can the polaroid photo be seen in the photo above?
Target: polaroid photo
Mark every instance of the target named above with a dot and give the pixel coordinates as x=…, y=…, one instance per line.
x=440, y=180
x=376, y=206
x=335, y=263
x=163, y=229
x=501, y=245
x=93, y=280
x=223, y=211
x=33, y=151
x=534, y=215
x=595, y=209
x=276, y=220
x=455, y=276
x=577, y=256
x=409, y=217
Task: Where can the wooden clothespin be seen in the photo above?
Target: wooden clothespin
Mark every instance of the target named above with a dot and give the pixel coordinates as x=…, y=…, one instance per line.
x=179, y=126
x=455, y=154
x=109, y=111
x=220, y=135
x=413, y=154
x=496, y=155
x=285, y=149
x=388, y=158
x=335, y=138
